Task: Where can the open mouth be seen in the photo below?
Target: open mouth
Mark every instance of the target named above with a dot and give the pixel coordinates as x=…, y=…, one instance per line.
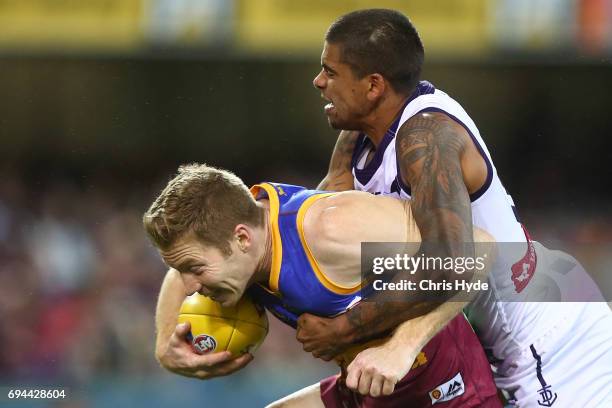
x=330, y=106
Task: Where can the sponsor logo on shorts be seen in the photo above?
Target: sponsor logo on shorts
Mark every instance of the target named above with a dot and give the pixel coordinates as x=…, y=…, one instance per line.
x=547, y=396
x=448, y=391
x=204, y=344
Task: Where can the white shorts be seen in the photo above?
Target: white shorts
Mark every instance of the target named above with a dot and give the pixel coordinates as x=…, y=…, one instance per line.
x=569, y=364
x=550, y=343
x=571, y=370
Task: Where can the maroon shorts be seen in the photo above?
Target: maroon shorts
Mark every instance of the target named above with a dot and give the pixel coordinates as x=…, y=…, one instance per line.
x=452, y=371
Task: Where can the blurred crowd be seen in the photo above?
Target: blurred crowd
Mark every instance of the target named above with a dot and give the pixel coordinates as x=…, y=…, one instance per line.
x=77, y=282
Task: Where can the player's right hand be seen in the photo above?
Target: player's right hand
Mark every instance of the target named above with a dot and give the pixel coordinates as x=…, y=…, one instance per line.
x=178, y=357
x=376, y=370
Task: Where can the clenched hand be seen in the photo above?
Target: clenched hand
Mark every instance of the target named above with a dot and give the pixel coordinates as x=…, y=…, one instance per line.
x=376, y=370
x=179, y=358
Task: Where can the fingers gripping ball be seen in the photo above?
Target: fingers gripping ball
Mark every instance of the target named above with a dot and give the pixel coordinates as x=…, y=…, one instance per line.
x=239, y=329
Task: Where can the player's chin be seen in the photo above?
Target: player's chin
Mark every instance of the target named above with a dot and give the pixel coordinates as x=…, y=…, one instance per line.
x=337, y=123
x=334, y=123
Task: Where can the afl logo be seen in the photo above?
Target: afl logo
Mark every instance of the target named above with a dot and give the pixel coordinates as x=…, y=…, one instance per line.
x=204, y=344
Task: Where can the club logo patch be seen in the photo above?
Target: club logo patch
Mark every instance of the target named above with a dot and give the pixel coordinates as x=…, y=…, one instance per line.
x=419, y=361
x=523, y=270
x=448, y=391
x=204, y=344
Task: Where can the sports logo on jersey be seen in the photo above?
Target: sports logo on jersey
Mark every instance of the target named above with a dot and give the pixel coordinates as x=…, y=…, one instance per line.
x=204, y=344
x=548, y=397
x=523, y=270
x=420, y=360
x=448, y=391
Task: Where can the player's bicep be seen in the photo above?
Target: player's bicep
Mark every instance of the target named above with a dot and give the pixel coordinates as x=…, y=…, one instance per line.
x=429, y=148
x=412, y=152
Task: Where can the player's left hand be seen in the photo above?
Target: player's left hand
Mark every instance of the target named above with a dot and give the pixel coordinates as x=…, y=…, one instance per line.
x=323, y=337
x=376, y=370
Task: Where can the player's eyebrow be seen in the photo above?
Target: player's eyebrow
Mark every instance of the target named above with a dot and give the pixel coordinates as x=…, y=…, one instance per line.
x=328, y=68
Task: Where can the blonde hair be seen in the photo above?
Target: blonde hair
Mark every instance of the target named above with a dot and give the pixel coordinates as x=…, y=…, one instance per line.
x=204, y=200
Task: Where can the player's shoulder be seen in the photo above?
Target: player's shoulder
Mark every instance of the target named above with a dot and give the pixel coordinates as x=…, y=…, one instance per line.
x=350, y=216
x=436, y=121
x=434, y=129
x=329, y=218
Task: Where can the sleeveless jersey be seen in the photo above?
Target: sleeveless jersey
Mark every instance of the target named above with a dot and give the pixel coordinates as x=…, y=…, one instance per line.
x=503, y=327
x=492, y=207
x=296, y=283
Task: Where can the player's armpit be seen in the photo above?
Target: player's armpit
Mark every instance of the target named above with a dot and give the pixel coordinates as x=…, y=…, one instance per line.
x=339, y=176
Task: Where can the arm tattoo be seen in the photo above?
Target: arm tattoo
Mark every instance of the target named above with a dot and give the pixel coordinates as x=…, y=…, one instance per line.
x=428, y=149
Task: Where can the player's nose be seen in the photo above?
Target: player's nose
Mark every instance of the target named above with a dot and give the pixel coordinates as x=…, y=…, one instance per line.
x=319, y=81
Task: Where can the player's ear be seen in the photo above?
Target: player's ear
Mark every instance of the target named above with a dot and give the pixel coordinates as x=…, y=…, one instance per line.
x=377, y=86
x=243, y=236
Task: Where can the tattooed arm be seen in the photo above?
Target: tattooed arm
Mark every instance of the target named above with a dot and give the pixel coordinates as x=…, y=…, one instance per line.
x=339, y=176
x=429, y=148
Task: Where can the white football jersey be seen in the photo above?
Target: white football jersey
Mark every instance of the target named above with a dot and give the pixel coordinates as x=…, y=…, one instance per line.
x=531, y=344
x=503, y=327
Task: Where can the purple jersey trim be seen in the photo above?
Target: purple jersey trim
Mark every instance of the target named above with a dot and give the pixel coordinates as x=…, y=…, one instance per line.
x=365, y=175
x=477, y=194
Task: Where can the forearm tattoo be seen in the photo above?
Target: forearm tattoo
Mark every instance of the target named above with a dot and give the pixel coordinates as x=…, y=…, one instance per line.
x=428, y=149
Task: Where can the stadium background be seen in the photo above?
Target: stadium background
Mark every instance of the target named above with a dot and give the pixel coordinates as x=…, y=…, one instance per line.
x=101, y=100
